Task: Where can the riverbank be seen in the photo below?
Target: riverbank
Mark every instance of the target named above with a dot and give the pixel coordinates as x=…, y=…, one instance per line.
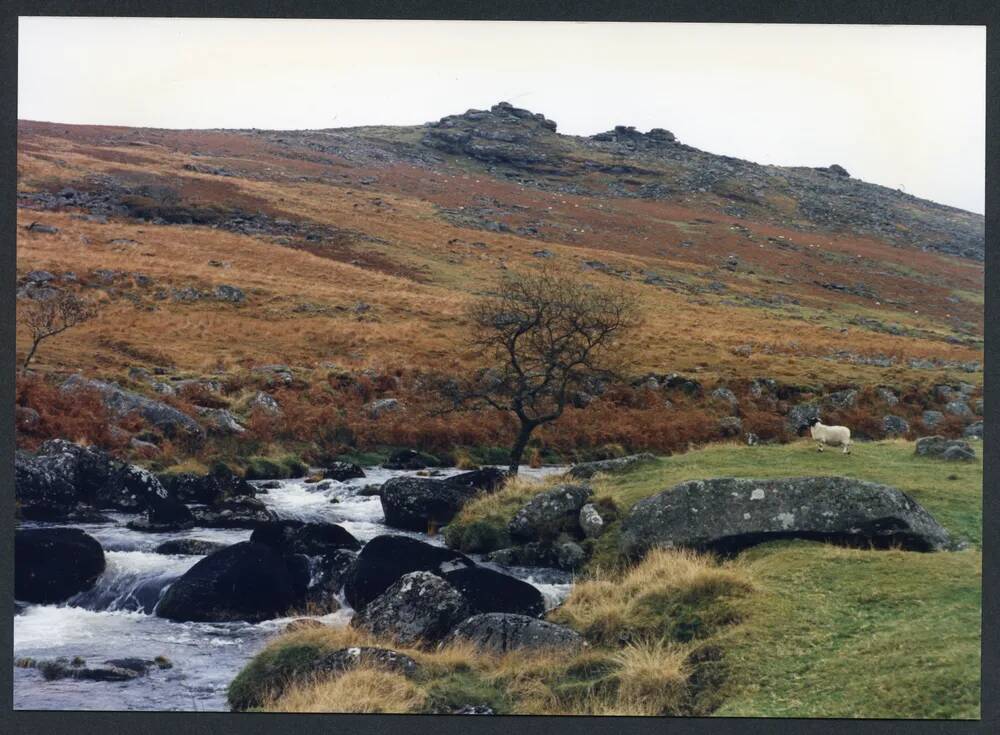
x=789, y=628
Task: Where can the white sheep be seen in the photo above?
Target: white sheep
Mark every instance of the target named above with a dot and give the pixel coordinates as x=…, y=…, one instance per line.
x=835, y=436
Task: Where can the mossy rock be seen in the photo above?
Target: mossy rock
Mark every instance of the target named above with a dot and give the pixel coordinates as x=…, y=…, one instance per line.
x=477, y=537
x=270, y=672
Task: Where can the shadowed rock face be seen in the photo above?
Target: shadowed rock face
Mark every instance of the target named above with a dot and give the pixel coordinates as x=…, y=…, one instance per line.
x=729, y=514
x=54, y=564
x=245, y=581
x=385, y=559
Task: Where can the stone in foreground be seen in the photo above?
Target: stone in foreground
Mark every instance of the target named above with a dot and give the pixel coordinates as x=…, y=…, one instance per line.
x=730, y=513
x=419, y=608
x=502, y=632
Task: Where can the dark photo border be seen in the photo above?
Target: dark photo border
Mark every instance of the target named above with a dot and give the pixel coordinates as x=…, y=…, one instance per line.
x=942, y=12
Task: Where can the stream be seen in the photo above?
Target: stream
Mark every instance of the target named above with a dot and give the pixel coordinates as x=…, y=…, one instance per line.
x=115, y=619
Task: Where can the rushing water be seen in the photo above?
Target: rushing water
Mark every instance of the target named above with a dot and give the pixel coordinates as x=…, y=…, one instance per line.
x=114, y=619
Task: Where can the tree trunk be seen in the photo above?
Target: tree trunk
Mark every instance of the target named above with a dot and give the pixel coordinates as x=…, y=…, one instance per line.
x=517, y=451
x=31, y=354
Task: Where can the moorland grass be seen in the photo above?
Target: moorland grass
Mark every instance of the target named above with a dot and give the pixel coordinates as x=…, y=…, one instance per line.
x=786, y=629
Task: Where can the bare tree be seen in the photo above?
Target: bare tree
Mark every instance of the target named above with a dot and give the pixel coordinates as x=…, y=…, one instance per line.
x=542, y=337
x=46, y=318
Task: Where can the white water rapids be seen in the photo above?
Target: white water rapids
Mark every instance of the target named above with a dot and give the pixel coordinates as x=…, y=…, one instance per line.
x=114, y=619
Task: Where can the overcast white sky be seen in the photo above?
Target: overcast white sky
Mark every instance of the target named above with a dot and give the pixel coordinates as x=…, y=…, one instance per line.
x=902, y=106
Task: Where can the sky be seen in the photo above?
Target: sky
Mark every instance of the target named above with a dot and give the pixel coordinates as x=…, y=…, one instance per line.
x=901, y=106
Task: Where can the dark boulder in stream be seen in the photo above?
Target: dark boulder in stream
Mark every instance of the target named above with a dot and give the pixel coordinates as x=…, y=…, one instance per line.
x=53, y=564
x=490, y=591
x=297, y=537
x=385, y=559
x=245, y=581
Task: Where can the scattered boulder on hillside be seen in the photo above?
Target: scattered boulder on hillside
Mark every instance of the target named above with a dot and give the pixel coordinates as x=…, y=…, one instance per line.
x=888, y=395
x=378, y=408
x=943, y=448
x=44, y=229
x=932, y=418
x=973, y=431
x=189, y=547
x=121, y=402
x=842, y=398
x=895, y=425
x=341, y=471
x=53, y=564
x=221, y=421
x=958, y=408
x=297, y=537
x=265, y=404
x=487, y=590
x=417, y=503
x=801, y=416
x=503, y=632
x=730, y=426
x=236, y=512
x=550, y=513
x=245, y=581
x=586, y=470
x=977, y=406
x=419, y=608
x=728, y=514
x=385, y=559
x=726, y=396
x=274, y=375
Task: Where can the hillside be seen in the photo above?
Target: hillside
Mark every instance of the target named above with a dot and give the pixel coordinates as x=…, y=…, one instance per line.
x=353, y=250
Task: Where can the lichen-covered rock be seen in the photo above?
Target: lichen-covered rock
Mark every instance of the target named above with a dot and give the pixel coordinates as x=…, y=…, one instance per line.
x=53, y=564
x=801, y=416
x=958, y=408
x=502, y=632
x=132, y=489
x=895, y=425
x=550, y=513
x=939, y=446
x=591, y=522
x=121, y=402
x=932, y=418
x=419, y=608
x=730, y=513
x=974, y=431
x=586, y=470
x=417, y=503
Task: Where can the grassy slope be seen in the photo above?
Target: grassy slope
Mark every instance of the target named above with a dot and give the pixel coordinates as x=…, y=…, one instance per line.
x=834, y=632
